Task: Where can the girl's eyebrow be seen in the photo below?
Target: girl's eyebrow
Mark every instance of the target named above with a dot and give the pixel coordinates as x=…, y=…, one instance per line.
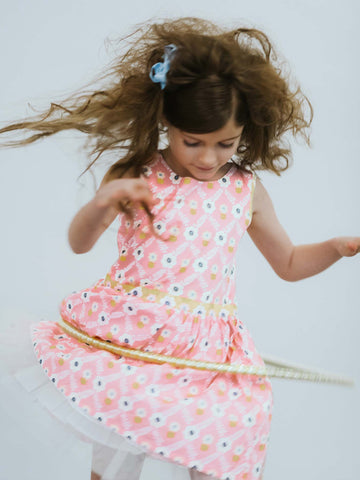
x=220, y=141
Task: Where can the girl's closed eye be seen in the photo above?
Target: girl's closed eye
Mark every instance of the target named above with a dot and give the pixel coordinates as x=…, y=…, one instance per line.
x=223, y=145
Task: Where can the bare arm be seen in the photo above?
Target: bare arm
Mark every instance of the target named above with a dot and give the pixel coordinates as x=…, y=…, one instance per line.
x=292, y=262
x=96, y=216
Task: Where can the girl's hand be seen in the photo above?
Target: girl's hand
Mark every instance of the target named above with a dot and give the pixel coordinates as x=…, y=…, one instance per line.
x=125, y=191
x=347, y=246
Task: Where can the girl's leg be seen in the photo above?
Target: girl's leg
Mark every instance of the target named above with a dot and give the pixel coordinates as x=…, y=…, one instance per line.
x=95, y=476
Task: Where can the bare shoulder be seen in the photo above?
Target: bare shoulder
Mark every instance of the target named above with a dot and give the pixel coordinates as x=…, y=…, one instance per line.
x=261, y=198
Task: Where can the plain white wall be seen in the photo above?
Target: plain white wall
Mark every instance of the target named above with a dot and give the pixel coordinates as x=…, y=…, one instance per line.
x=48, y=50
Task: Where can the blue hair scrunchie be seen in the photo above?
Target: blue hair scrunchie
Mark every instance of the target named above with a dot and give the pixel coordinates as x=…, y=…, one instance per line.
x=159, y=70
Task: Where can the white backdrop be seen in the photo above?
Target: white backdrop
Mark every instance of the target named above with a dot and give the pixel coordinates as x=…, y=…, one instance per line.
x=49, y=49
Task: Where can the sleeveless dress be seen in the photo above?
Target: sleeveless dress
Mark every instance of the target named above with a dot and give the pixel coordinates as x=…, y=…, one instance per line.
x=170, y=292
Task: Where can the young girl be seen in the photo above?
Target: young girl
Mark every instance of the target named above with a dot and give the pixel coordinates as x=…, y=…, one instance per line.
x=155, y=354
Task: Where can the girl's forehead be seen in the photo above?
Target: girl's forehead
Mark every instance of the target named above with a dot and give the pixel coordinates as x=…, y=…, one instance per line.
x=230, y=131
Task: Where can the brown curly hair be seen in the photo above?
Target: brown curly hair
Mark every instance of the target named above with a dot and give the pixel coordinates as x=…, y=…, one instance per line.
x=215, y=73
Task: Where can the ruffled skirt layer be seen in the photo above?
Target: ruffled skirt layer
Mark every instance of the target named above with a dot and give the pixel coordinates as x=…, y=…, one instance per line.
x=72, y=439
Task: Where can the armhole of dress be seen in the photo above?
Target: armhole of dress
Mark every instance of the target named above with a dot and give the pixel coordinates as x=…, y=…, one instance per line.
x=252, y=191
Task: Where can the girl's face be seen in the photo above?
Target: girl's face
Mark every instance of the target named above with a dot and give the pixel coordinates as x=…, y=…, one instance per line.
x=202, y=156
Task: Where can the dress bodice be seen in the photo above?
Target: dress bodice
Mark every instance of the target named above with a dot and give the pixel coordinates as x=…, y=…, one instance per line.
x=197, y=224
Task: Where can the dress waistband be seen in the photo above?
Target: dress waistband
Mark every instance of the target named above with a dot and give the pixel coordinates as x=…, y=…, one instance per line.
x=289, y=372
x=172, y=301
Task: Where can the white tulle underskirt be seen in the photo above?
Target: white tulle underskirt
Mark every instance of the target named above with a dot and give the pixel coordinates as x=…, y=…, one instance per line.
x=45, y=436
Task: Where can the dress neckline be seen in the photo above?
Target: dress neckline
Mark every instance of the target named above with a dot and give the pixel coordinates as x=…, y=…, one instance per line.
x=229, y=172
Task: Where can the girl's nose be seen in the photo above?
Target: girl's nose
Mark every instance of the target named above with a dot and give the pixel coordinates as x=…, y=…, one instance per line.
x=207, y=159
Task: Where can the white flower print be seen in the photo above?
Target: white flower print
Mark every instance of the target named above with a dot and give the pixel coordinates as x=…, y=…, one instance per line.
x=74, y=397
x=195, y=465
x=87, y=374
x=202, y=404
x=175, y=178
x=155, y=328
x=168, y=260
x=111, y=394
x=204, y=344
x=162, y=451
x=191, y=432
x=237, y=210
x=249, y=420
x=220, y=238
x=192, y=295
x=125, y=403
x=187, y=400
x=191, y=233
x=76, y=364
x=191, y=340
x=224, y=181
x=183, y=380
x=218, y=410
x=176, y=289
x=114, y=329
x=139, y=253
x=234, y=393
x=168, y=301
x=200, y=265
x=174, y=427
x=99, y=384
x=206, y=238
x=165, y=333
x=136, y=292
x=59, y=347
x=152, y=257
x=228, y=476
x=85, y=296
x=193, y=390
x=157, y=419
x=120, y=275
x=141, y=412
x=128, y=369
x=129, y=308
x=130, y=436
x=123, y=253
x=267, y=407
x=146, y=170
x=257, y=470
x=193, y=207
x=199, y=311
x=239, y=450
x=141, y=378
x=179, y=201
x=152, y=390
x=208, y=206
x=144, y=319
x=224, y=314
x=125, y=338
x=53, y=377
x=238, y=183
x=69, y=306
x=103, y=318
x=160, y=175
x=223, y=445
x=207, y=297
x=174, y=231
x=159, y=227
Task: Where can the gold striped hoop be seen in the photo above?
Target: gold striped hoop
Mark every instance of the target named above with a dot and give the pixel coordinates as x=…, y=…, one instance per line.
x=273, y=368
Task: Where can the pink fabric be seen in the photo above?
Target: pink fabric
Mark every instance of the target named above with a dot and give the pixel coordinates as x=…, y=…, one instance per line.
x=174, y=297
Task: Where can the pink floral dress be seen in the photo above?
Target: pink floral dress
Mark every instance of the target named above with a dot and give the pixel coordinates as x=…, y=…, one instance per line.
x=170, y=293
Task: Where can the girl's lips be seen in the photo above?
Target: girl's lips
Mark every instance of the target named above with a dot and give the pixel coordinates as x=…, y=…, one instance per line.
x=204, y=169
